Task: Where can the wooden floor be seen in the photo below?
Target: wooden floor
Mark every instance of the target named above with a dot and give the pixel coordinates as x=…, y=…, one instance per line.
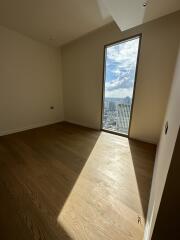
x=67, y=182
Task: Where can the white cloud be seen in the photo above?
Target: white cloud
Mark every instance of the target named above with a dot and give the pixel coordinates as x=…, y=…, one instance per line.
x=120, y=68
x=124, y=52
x=119, y=93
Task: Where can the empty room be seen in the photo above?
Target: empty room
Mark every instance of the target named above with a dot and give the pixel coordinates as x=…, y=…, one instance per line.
x=89, y=119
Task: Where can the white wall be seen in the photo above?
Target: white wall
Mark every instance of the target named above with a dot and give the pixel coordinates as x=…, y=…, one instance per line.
x=165, y=151
x=30, y=82
x=83, y=73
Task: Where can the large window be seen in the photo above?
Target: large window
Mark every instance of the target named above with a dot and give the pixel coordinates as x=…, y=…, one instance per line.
x=119, y=78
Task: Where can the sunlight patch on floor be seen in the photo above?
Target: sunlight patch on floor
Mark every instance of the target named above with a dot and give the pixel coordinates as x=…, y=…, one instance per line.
x=105, y=202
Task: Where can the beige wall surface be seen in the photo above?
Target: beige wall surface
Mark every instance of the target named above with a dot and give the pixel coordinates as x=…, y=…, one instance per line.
x=83, y=73
x=30, y=82
x=165, y=151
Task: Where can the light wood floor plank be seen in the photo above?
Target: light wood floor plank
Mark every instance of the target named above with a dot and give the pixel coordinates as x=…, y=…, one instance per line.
x=67, y=182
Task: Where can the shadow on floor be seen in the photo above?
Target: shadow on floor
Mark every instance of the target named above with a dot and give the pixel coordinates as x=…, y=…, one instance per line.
x=143, y=168
x=38, y=170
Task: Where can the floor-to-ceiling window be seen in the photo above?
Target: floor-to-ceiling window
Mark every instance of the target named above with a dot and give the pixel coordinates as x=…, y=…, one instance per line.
x=119, y=78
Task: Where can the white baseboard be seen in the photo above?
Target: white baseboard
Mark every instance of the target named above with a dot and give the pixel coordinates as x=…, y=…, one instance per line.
x=146, y=140
x=146, y=231
x=11, y=131
x=81, y=124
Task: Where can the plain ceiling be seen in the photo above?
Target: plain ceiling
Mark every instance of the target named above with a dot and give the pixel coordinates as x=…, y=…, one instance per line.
x=53, y=21
x=60, y=21
x=131, y=13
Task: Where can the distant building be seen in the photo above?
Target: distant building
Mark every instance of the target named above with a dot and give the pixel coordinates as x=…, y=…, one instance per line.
x=127, y=100
x=112, y=106
x=106, y=104
x=123, y=111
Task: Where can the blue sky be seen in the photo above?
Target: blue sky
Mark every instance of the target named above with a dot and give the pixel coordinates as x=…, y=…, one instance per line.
x=120, y=69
